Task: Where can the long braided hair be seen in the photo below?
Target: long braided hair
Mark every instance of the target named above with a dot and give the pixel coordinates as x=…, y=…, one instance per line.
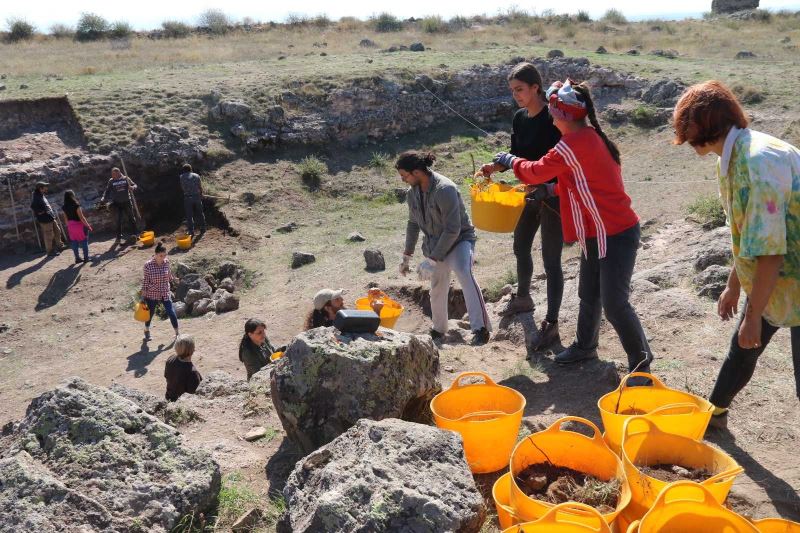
x=583, y=89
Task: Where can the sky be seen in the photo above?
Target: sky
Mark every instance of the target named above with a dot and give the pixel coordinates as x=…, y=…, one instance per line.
x=148, y=14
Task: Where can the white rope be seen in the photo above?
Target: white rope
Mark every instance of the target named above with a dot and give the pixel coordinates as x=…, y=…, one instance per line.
x=465, y=119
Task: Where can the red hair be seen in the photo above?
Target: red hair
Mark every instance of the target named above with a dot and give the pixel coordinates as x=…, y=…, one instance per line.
x=705, y=113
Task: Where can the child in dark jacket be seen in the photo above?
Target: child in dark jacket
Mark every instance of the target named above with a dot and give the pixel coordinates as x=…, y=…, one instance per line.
x=182, y=376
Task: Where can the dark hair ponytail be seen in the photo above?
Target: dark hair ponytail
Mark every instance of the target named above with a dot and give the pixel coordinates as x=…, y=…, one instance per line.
x=161, y=247
x=70, y=199
x=527, y=73
x=413, y=160
x=583, y=90
x=250, y=326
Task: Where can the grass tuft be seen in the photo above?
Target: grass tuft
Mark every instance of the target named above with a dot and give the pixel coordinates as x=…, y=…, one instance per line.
x=708, y=210
x=312, y=169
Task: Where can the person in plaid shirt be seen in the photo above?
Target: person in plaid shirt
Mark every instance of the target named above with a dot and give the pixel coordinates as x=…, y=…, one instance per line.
x=155, y=287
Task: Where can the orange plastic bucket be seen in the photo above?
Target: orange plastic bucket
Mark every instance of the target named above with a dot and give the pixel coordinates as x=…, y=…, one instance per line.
x=568, y=517
x=147, y=238
x=777, y=525
x=141, y=312
x=671, y=410
x=644, y=443
x=589, y=455
x=487, y=416
x=390, y=311
x=496, y=207
x=275, y=356
x=184, y=242
x=501, y=494
x=687, y=506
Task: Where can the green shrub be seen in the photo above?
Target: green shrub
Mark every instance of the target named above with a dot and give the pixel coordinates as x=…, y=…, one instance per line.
x=174, y=29
x=433, y=24
x=645, y=116
x=583, y=16
x=311, y=170
x=62, y=31
x=296, y=20
x=321, y=21
x=458, y=23
x=614, y=16
x=120, y=30
x=386, y=22
x=493, y=292
x=708, y=210
x=747, y=94
x=234, y=499
x=20, y=30
x=379, y=160
x=91, y=27
x=215, y=20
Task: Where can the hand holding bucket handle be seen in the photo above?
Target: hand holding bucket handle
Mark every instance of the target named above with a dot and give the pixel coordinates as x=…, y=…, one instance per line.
x=457, y=382
x=575, y=509
x=556, y=428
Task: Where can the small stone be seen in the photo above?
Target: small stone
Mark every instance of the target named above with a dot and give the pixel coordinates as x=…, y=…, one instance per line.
x=256, y=433
x=374, y=260
x=23, y=86
x=681, y=471
x=601, y=50
x=417, y=47
x=356, y=237
x=2, y=87
x=449, y=368
x=247, y=522
x=633, y=52
x=302, y=258
x=745, y=54
x=507, y=289
x=552, y=54
x=367, y=43
x=5, y=326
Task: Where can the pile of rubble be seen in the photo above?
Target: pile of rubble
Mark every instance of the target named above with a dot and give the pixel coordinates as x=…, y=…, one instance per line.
x=197, y=294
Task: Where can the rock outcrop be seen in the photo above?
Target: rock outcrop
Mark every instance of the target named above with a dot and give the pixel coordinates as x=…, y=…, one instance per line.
x=389, y=475
x=732, y=6
x=327, y=381
x=87, y=459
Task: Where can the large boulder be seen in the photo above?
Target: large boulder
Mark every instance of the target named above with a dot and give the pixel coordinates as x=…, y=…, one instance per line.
x=225, y=301
x=716, y=250
x=732, y=6
x=712, y=281
x=204, y=306
x=194, y=296
x=219, y=383
x=389, y=475
x=327, y=381
x=191, y=281
x=87, y=459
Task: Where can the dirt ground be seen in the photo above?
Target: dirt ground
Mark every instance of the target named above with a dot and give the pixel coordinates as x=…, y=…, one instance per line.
x=67, y=319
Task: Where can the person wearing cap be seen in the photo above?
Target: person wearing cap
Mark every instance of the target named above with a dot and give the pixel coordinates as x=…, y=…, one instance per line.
x=119, y=189
x=327, y=303
x=46, y=218
x=759, y=186
x=596, y=212
x=192, y=188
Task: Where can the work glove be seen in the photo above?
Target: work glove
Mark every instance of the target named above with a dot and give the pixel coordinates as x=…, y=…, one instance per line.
x=504, y=159
x=425, y=269
x=543, y=191
x=405, y=265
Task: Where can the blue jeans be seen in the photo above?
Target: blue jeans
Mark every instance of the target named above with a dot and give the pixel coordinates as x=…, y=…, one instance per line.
x=151, y=305
x=194, y=205
x=83, y=244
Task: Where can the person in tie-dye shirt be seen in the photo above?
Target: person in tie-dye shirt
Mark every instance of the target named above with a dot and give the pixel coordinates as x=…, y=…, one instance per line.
x=759, y=184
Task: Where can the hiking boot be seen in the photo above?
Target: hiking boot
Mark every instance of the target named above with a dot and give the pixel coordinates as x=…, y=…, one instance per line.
x=547, y=336
x=517, y=304
x=719, y=421
x=147, y=334
x=575, y=354
x=436, y=336
x=480, y=337
x=78, y=261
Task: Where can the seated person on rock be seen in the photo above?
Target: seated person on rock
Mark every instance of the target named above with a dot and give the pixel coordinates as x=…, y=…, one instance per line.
x=254, y=348
x=182, y=376
x=327, y=303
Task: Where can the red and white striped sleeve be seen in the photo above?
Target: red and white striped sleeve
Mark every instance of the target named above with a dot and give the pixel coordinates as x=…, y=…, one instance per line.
x=541, y=171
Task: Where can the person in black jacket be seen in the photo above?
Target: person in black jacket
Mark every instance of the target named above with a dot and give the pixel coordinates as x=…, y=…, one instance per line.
x=46, y=218
x=254, y=348
x=182, y=376
x=119, y=190
x=533, y=135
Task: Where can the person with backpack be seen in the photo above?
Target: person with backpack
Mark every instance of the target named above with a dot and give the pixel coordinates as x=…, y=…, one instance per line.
x=596, y=212
x=119, y=190
x=77, y=225
x=436, y=209
x=46, y=219
x=759, y=185
x=155, y=287
x=532, y=136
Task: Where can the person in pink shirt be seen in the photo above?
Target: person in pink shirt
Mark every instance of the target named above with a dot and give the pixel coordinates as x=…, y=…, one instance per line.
x=595, y=212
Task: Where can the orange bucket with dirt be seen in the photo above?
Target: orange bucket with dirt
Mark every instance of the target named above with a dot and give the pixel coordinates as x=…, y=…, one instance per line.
x=275, y=356
x=390, y=311
x=687, y=506
x=184, y=242
x=777, y=525
x=568, y=449
x=147, y=238
x=487, y=416
x=496, y=207
x=141, y=313
x=644, y=444
x=672, y=411
x=569, y=517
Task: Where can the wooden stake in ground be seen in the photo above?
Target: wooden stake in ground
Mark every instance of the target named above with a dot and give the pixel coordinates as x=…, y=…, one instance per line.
x=13, y=207
x=132, y=197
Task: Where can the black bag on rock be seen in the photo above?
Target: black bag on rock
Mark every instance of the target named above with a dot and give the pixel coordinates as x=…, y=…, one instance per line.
x=354, y=321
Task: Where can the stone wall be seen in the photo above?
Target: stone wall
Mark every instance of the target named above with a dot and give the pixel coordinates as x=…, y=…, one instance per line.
x=39, y=115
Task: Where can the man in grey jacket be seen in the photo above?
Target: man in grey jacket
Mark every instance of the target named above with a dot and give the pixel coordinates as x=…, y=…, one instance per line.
x=192, y=199
x=436, y=209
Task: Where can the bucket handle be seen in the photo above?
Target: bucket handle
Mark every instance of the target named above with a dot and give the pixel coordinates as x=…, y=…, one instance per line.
x=681, y=408
x=457, y=382
x=556, y=427
x=633, y=528
x=706, y=498
x=657, y=383
x=628, y=431
x=574, y=508
x=722, y=477
x=143, y=306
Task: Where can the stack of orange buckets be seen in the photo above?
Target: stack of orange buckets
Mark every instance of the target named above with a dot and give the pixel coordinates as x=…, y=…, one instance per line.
x=644, y=426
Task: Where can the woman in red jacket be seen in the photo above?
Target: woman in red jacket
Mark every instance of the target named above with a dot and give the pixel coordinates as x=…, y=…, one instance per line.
x=596, y=212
